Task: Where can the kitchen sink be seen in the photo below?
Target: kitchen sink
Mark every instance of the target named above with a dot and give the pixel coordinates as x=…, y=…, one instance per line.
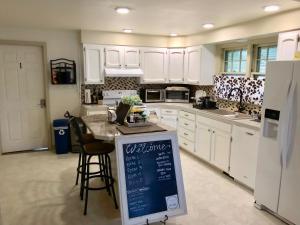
x=230, y=115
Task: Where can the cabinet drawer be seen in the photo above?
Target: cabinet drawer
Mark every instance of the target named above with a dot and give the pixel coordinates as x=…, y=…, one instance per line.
x=189, y=135
x=214, y=123
x=187, y=124
x=187, y=115
x=186, y=144
x=169, y=111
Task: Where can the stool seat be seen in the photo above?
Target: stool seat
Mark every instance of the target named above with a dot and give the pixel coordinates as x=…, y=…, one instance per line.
x=96, y=148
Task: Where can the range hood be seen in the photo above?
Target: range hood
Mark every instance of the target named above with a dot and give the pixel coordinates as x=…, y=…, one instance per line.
x=121, y=72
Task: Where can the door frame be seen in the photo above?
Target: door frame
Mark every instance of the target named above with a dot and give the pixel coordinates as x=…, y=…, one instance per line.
x=46, y=79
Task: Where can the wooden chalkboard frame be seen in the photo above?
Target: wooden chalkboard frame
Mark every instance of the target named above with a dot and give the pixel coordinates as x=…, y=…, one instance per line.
x=156, y=217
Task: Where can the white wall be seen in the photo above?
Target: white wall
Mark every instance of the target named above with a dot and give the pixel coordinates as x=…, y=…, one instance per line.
x=60, y=44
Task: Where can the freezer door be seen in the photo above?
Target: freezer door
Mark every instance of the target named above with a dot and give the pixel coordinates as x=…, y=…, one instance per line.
x=268, y=173
x=289, y=201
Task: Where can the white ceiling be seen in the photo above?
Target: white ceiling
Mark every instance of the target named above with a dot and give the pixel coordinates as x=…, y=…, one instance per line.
x=158, y=17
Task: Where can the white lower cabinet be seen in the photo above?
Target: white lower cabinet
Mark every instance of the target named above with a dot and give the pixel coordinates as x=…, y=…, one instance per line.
x=203, y=141
x=213, y=142
x=243, y=159
x=169, y=117
x=186, y=131
x=220, y=149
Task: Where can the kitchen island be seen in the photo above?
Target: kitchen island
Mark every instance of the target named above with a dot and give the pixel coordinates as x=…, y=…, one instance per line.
x=150, y=183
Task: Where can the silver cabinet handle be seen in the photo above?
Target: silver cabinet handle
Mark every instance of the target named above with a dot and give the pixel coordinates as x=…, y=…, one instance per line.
x=168, y=111
x=248, y=133
x=186, y=124
x=185, y=143
x=186, y=115
x=185, y=134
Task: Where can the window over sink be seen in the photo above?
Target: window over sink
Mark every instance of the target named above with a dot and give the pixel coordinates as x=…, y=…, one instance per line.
x=235, y=61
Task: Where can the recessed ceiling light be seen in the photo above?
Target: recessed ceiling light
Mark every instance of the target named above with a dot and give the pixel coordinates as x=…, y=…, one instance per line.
x=122, y=10
x=173, y=34
x=127, y=30
x=208, y=25
x=271, y=8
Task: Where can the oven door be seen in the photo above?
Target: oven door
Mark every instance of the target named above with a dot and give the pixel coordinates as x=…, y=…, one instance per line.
x=177, y=96
x=154, y=95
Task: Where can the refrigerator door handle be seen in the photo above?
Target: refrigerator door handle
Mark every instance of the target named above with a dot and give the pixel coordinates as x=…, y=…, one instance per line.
x=287, y=124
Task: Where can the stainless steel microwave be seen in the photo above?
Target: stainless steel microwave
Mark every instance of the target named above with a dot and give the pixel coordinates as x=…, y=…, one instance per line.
x=154, y=95
x=177, y=94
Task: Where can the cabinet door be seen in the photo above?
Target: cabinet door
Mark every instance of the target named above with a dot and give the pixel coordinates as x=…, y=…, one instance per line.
x=203, y=141
x=243, y=157
x=221, y=142
x=93, y=64
x=131, y=57
x=176, y=65
x=155, y=65
x=207, y=65
x=287, y=45
x=193, y=65
x=114, y=56
x=169, y=120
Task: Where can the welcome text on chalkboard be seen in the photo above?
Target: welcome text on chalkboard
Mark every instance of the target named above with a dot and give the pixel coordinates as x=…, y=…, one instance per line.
x=150, y=178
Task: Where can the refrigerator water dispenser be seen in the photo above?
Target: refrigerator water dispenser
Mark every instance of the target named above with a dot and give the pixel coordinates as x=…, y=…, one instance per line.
x=271, y=123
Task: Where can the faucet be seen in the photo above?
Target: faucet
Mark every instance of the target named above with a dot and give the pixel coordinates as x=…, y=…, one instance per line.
x=241, y=107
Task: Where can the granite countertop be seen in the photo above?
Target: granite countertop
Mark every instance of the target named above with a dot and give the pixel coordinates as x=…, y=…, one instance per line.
x=104, y=130
x=247, y=123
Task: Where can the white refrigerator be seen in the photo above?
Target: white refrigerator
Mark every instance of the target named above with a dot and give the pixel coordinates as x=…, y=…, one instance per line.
x=278, y=171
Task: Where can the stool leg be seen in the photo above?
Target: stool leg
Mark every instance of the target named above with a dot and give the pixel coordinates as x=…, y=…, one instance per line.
x=112, y=182
x=78, y=169
x=100, y=159
x=87, y=184
x=106, y=175
x=83, y=172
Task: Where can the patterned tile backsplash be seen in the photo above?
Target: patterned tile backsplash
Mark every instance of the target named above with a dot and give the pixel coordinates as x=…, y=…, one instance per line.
x=252, y=90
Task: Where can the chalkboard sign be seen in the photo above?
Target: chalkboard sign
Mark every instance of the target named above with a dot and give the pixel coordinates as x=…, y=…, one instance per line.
x=150, y=178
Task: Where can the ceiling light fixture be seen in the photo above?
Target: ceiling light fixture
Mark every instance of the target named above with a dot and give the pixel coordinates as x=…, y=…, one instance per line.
x=271, y=8
x=122, y=10
x=127, y=31
x=173, y=34
x=208, y=25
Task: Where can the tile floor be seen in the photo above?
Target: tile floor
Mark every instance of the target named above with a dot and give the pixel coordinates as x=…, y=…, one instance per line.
x=37, y=188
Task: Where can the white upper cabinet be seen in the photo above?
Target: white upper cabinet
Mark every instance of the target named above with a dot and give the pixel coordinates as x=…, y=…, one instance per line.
x=176, y=65
x=200, y=65
x=93, y=64
x=287, y=45
x=155, y=65
x=131, y=57
x=114, y=56
x=193, y=65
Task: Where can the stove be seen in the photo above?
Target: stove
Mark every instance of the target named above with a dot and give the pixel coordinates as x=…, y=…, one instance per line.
x=113, y=97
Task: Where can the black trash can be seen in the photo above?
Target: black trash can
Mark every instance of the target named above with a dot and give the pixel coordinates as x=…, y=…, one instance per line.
x=61, y=135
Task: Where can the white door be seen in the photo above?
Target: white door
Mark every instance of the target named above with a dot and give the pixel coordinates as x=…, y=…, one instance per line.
x=289, y=197
x=287, y=45
x=243, y=157
x=114, y=56
x=192, y=65
x=203, y=141
x=221, y=149
x=93, y=64
x=131, y=57
x=155, y=65
x=176, y=65
x=22, y=118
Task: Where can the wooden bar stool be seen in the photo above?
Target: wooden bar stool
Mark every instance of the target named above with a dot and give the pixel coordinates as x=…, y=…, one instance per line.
x=101, y=150
x=86, y=138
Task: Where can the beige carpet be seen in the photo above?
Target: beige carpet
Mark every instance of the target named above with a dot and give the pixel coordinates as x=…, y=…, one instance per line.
x=37, y=188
